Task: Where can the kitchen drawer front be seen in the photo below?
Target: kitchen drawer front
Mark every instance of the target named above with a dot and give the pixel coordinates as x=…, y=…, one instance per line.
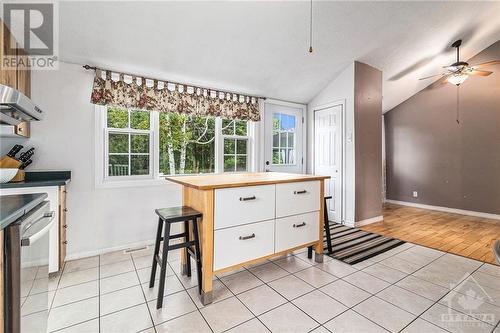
x=296, y=230
x=297, y=198
x=243, y=243
x=242, y=205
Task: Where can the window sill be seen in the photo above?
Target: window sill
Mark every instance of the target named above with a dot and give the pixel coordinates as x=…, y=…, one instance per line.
x=132, y=183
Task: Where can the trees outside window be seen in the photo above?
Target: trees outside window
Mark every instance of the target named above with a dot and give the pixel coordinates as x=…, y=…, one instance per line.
x=181, y=144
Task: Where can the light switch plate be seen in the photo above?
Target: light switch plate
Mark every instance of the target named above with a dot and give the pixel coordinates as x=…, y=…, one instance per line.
x=415, y=194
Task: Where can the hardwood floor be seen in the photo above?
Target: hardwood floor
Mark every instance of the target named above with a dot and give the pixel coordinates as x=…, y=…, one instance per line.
x=468, y=236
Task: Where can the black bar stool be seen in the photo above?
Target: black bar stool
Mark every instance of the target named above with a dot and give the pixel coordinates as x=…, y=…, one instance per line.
x=168, y=216
x=326, y=225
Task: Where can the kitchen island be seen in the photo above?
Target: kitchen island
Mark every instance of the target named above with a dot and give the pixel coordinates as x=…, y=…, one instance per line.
x=251, y=217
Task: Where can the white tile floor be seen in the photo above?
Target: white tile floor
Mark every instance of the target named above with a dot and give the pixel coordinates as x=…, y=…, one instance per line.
x=407, y=289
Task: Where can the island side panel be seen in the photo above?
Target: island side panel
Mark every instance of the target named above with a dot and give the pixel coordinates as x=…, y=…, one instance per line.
x=203, y=201
x=319, y=246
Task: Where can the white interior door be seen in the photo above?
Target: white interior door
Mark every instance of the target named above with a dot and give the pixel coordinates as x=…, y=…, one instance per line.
x=283, y=140
x=328, y=155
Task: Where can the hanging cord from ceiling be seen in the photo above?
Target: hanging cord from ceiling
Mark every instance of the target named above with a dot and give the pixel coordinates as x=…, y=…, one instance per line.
x=311, y=27
x=458, y=105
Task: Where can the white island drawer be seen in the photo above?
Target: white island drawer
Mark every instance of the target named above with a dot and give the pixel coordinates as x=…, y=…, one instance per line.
x=243, y=243
x=241, y=205
x=297, y=198
x=296, y=230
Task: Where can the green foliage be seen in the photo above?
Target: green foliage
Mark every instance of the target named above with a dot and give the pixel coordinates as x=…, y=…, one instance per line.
x=139, y=120
x=117, y=117
x=200, y=138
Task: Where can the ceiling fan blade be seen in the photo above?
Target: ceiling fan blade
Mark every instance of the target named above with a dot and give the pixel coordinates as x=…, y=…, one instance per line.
x=428, y=77
x=439, y=82
x=479, y=72
x=488, y=63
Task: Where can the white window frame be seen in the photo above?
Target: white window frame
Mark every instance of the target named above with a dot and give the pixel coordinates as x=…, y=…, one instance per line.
x=155, y=177
x=220, y=151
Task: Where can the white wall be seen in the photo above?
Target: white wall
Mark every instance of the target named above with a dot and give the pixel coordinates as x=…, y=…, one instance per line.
x=340, y=89
x=98, y=219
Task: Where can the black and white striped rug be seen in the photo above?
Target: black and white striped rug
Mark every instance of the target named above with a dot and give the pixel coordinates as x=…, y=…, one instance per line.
x=352, y=245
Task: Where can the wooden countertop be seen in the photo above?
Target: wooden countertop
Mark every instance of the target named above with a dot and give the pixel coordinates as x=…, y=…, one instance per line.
x=212, y=181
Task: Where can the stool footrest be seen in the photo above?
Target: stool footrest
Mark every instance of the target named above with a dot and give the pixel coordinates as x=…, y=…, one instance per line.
x=181, y=245
x=175, y=236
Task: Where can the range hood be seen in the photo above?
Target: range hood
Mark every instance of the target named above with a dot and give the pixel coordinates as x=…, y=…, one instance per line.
x=16, y=108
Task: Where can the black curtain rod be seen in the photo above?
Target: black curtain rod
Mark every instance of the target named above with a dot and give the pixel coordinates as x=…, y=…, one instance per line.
x=88, y=67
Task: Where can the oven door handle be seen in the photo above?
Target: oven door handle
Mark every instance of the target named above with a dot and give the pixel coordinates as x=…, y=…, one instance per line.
x=27, y=241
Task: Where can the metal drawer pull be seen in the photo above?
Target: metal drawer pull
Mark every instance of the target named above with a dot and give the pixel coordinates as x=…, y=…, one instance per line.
x=248, y=198
x=299, y=225
x=247, y=237
x=300, y=192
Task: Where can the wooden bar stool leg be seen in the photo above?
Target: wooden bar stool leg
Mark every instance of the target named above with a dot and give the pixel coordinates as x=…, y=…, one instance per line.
x=198, y=254
x=327, y=230
x=163, y=268
x=155, y=254
x=188, y=256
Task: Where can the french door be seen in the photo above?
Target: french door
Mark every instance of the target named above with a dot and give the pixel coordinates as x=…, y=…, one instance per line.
x=283, y=139
x=328, y=145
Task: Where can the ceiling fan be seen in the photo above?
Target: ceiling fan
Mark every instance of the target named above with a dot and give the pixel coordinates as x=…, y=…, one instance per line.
x=459, y=71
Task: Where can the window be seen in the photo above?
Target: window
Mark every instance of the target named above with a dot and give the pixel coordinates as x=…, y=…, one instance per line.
x=283, y=139
x=143, y=144
x=234, y=133
x=187, y=144
x=128, y=138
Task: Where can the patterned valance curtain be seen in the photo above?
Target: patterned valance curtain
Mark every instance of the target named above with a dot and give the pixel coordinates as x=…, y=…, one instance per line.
x=127, y=91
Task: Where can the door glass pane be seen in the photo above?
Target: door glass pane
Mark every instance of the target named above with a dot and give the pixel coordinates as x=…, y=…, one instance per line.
x=283, y=139
x=276, y=139
x=118, y=143
x=276, y=121
x=276, y=156
x=291, y=156
x=290, y=140
x=139, y=143
x=139, y=164
x=118, y=165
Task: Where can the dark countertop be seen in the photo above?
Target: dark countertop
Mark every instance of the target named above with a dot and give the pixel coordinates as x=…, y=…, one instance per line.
x=41, y=178
x=14, y=206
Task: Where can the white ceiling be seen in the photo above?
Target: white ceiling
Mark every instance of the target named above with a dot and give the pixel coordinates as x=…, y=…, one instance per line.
x=260, y=47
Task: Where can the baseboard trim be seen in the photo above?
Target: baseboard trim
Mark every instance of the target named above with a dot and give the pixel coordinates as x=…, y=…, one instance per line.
x=446, y=209
x=369, y=221
x=87, y=254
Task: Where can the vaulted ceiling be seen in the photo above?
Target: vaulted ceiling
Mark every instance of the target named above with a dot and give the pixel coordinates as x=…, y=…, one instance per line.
x=260, y=47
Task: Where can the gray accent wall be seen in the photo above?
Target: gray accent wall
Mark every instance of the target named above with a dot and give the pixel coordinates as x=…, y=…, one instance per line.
x=448, y=164
x=368, y=140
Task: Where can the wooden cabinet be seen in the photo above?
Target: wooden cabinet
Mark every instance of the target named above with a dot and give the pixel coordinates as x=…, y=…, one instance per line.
x=62, y=226
x=19, y=78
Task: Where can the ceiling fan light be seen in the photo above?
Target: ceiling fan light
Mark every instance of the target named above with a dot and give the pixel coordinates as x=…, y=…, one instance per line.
x=457, y=79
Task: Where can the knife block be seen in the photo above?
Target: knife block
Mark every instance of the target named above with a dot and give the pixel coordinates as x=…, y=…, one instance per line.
x=9, y=162
x=19, y=177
